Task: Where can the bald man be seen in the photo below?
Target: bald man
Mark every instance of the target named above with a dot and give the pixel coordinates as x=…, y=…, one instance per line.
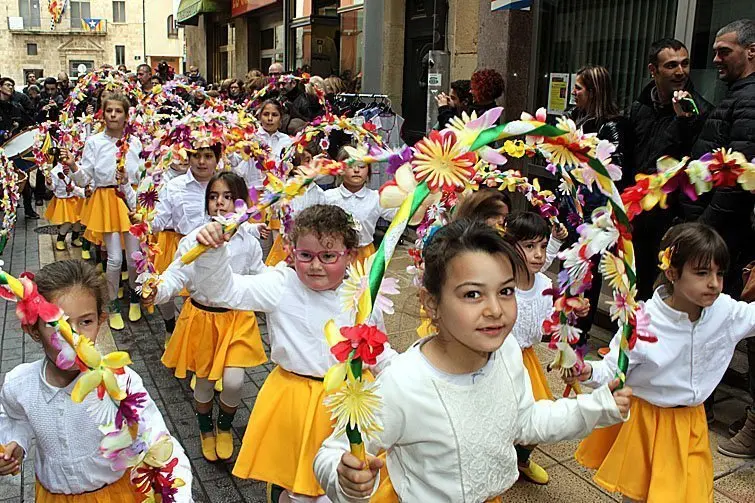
x=195, y=77
x=275, y=70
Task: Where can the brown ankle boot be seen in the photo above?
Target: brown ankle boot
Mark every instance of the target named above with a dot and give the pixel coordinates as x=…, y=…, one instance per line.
x=741, y=445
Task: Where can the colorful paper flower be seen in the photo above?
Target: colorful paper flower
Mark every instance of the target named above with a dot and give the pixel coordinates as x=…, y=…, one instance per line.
x=66, y=353
x=725, y=166
x=356, y=285
x=664, y=258
x=98, y=372
x=641, y=327
x=33, y=306
x=394, y=193
x=355, y=406
x=365, y=342
x=441, y=161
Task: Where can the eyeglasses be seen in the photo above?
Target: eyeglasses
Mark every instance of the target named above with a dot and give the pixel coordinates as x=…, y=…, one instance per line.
x=325, y=257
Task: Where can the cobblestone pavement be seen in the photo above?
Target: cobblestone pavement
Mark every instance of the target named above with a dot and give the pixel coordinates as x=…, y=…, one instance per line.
x=28, y=250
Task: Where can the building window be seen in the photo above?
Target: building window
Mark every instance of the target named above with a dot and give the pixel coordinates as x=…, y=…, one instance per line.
x=119, y=11
x=29, y=11
x=31, y=49
x=172, y=27
x=120, y=55
x=80, y=67
x=80, y=9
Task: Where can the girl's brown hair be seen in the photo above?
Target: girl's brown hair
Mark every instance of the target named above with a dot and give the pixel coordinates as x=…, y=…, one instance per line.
x=601, y=104
x=483, y=204
x=326, y=220
x=235, y=184
x=461, y=236
x=277, y=104
x=64, y=274
x=696, y=243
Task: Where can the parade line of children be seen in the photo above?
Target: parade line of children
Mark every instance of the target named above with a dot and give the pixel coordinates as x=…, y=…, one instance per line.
x=461, y=409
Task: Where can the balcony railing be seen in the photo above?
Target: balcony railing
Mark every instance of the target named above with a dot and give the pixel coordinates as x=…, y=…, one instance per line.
x=17, y=24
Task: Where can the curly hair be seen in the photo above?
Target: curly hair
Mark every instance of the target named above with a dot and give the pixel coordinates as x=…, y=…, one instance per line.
x=486, y=85
x=326, y=220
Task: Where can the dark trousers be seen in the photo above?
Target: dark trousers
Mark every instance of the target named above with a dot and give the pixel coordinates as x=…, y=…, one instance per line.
x=648, y=230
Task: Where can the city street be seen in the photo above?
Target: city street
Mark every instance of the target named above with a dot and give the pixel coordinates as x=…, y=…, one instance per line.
x=213, y=483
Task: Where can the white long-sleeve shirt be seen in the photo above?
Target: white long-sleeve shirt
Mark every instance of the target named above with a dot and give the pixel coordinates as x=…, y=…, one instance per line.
x=68, y=459
x=551, y=252
x=364, y=206
x=248, y=169
x=245, y=257
x=296, y=314
x=182, y=205
x=451, y=442
x=689, y=359
x=63, y=188
x=98, y=162
x=532, y=309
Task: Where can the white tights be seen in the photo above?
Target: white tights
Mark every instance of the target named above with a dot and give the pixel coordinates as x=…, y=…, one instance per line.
x=233, y=379
x=66, y=227
x=112, y=242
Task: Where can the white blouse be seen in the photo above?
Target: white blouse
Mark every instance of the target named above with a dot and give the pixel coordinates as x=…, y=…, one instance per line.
x=97, y=164
x=181, y=206
x=449, y=442
x=68, y=459
x=245, y=258
x=532, y=309
x=63, y=188
x=296, y=315
x=689, y=359
x=364, y=206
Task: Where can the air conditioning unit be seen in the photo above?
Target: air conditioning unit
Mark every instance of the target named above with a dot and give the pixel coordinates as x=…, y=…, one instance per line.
x=15, y=23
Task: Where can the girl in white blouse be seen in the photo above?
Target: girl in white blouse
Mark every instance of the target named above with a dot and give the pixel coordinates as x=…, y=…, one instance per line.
x=360, y=202
x=65, y=208
x=662, y=453
x=210, y=340
x=105, y=214
x=36, y=397
x=454, y=404
x=289, y=421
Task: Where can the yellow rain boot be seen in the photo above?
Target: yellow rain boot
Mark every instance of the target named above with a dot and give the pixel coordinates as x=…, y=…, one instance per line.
x=224, y=438
x=134, y=308
x=86, y=254
x=207, y=436
x=534, y=473
x=60, y=245
x=116, y=320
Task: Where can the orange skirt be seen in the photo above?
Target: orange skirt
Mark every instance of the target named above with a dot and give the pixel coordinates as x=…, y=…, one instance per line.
x=288, y=424
x=120, y=491
x=205, y=343
x=659, y=454
x=275, y=224
x=386, y=493
x=64, y=211
x=278, y=252
x=540, y=388
x=167, y=241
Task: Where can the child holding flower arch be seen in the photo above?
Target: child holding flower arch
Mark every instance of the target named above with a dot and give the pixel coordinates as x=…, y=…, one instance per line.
x=289, y=421
x=38, y=401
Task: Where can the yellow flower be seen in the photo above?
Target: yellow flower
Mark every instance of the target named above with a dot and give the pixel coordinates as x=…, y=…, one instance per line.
x=515, y=148
x=442, y=162
x=747, y=178
x=614, y=271
x=355, y=405
x=664, y=258
x=101, y=373
x=335, y=376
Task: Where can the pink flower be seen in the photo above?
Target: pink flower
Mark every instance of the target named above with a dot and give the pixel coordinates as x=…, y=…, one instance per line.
x=33, y=306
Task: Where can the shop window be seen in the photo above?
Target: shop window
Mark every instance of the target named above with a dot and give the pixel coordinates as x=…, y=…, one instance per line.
x=352, y=42
x=616, y=35
x=29, y=11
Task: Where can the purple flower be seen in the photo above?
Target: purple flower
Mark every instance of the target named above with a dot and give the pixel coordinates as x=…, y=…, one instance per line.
x=128, y=409
x=399, y=159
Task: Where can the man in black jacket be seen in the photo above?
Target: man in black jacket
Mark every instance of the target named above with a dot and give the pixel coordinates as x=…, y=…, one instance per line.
x=12, y=120
x=729, y=210
x=659, y=126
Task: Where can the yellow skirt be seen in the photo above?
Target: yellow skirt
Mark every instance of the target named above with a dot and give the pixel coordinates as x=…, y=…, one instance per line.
x=120, y=491
x=540, y=388
x=660, y=454
x=275, y=224
x=386, y=493
x=205, y=343
x=278, y=252
x=105, y=212
x=288, y=424
x=167, y=241
x=64, y=211
x=363, y=252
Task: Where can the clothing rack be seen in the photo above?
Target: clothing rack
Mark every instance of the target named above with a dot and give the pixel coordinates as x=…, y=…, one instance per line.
x=365, y=96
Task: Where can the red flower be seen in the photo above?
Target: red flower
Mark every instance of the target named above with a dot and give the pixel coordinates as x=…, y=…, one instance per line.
x=33, y=306
x=365, y=341
x=632, y=197
x=724, y=169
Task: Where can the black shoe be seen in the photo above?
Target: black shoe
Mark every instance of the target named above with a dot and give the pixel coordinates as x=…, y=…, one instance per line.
x=737, y=425
x=30, y=214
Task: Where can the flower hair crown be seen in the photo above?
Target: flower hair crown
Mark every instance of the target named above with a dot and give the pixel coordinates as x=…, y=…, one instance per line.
x=664, y=258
